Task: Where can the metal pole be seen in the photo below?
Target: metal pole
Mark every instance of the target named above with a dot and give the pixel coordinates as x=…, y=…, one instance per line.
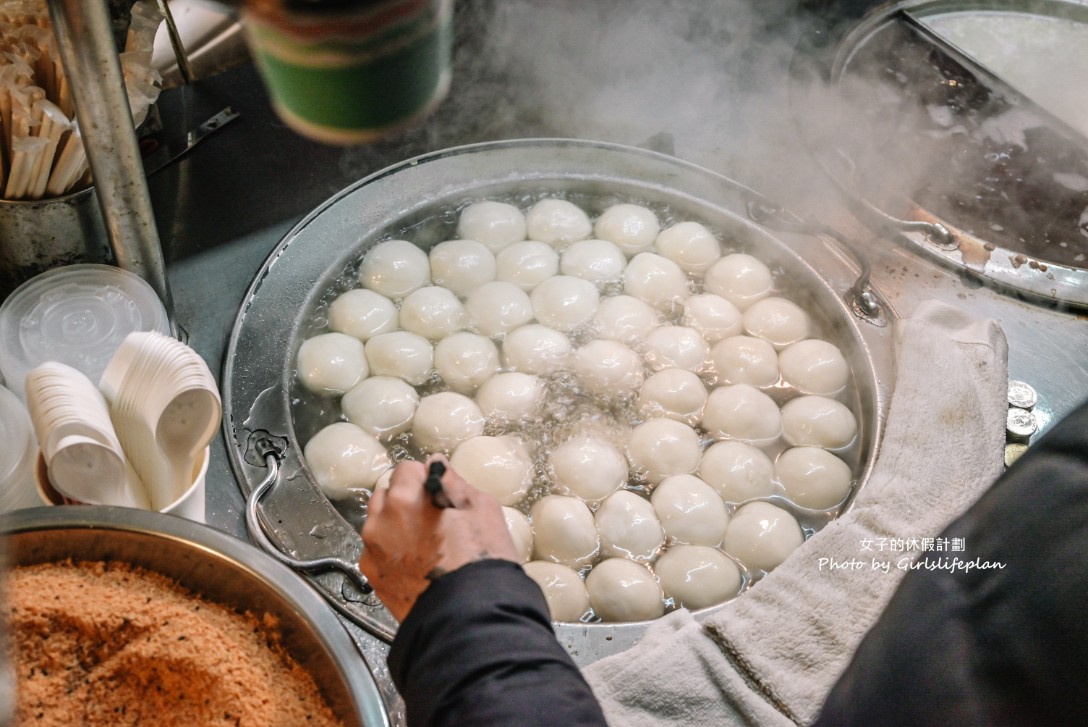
x=184, y=68
x=90, y=59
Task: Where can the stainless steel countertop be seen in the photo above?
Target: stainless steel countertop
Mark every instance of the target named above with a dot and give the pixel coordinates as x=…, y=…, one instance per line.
x=222, y=208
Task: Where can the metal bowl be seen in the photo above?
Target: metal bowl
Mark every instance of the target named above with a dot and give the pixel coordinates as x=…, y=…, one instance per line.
x=418, y=200
x=216, y=566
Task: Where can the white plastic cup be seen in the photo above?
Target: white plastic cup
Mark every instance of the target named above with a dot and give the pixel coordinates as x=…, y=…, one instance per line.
x=17, y=451
x=188, y=504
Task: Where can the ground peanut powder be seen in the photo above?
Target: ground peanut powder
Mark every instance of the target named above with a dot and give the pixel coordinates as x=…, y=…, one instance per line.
x=112, y=644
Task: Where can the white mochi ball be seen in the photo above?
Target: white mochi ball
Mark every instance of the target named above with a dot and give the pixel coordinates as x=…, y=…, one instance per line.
x=362, y=314
x=511, y=397
x=564, y=302
x=762, y=535
x=445, y=420
x=630, y=227
x=499, y=466
x=676, y=347
x=629, y=527
x=331, y=363
x=655, y=280
x=625, y=319
x=813, y=477
x=816, y=421
x=526, y=264
x=814, y=367
x=737, y=471
x=521, y=532
x=563, y=589
x=563, y=531
x=343, y=458
x=535, y=349
x=433, y=313
x=742, y=412
x=461, y=265
x=395, y=268
x=745, y=360
x=608, y=368
x=557, y=222
x=777, y=320
x=659, y=448
x=465, y=361
x=675, y=394
x=690, y=245
x=623, y=590
x=712, y=316
x=381, y=406
x=493, y=224
x=690, y=510
x=598, y=261
x=697, y=576
x=497, y=308
x=404, y=355
x=741, y=279
x=588, y=467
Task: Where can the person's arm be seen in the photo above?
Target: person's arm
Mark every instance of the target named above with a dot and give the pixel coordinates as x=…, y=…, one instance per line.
x=475, y=646
x=478, y=649
x=1005, y=642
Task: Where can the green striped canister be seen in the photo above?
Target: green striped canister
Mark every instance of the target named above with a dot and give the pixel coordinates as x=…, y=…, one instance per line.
x=347, y=76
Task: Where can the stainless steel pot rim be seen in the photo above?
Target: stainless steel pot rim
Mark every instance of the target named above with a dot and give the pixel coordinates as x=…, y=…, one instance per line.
x=49, y=201
x=257, y=411
x=104, y=517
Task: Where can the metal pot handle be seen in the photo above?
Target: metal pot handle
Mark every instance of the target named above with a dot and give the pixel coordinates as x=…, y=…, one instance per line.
x=257, y=531
x=934, y=233
x=267, y=450
x=865, y=303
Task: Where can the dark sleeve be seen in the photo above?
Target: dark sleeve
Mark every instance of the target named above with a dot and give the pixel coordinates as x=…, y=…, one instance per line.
x=478, y=649
x=1006, y=642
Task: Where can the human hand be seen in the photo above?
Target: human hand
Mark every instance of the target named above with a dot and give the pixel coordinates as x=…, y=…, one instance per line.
x=407, y=541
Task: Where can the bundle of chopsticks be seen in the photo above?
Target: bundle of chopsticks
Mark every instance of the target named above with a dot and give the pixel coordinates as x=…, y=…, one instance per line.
x=41, y=149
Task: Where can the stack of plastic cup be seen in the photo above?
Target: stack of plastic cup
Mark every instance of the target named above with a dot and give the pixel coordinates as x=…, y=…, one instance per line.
x=16, y=455
x=81, y=450
x=166, y=408
x=76, y=315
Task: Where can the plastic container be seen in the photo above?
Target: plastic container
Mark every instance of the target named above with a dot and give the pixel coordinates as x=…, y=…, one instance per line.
x=17, y=489
x=188, y=503
x=77, y=315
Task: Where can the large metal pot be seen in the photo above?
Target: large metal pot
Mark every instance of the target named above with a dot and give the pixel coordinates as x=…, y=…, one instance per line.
x=216, y=566
x=416, y=200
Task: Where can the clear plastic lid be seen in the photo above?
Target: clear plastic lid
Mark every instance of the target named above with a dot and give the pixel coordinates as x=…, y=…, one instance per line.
x=77, y=315
x=17, y=455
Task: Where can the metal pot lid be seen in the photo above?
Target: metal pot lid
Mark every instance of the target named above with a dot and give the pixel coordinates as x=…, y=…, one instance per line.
x=956, y=127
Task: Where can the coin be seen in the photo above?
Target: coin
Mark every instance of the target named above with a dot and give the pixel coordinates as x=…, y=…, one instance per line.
x=1022, y=395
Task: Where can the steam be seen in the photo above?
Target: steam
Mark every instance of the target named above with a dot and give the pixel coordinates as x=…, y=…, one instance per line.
x=706, y=84
x=717, y=85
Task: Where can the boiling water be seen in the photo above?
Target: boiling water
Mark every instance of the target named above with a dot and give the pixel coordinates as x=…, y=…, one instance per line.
x=568, y=406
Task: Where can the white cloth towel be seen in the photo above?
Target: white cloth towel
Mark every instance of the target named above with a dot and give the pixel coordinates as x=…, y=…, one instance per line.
x=770, y=657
